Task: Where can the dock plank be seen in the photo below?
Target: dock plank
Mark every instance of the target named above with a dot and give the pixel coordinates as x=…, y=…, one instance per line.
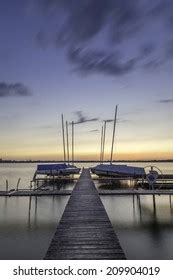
x=85, y=231
x=34, y=193
x=101, y=192
x=136, y=192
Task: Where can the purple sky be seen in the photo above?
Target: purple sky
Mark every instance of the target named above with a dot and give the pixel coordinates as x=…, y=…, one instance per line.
x=65, y=56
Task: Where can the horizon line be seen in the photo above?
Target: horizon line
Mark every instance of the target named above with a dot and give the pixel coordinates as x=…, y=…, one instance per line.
x=124, y=160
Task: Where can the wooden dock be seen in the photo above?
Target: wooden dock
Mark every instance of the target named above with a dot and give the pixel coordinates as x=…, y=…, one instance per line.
x=27, y=192
x=85, y=231
x=135, y=192
x=44, y=192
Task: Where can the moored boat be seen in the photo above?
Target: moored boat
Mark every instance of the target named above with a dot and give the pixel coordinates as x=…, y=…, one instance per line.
x=114, y=169
x=60, y=169
x=118, y=170
x=56, y=169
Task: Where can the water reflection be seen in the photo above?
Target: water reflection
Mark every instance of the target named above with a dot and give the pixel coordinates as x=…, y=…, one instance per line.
x=114, y=183
x=55, y=184
x=28, y=224
x=35, y=212
x=29, y=213
x=144, y=225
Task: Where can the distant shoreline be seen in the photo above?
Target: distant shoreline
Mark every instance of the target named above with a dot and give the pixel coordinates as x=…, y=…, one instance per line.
x=80, y=161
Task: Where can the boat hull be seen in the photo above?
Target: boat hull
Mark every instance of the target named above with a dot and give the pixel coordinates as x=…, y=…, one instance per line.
x=118, y=171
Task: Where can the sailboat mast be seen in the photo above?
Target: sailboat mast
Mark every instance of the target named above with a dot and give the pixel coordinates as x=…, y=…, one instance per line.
x=113, y=136
x=67, y=142
x=72, y=141
x=63, y=136
x=104, y=134
x=101, y=146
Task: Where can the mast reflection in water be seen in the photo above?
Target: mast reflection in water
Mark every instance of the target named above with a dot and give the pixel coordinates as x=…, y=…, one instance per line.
x=28, y=225
x=144, y=225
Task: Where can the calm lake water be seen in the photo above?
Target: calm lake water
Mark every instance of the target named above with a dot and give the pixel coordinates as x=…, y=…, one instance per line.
x=144, y=227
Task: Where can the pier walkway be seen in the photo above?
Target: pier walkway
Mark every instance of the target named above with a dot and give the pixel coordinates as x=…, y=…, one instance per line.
x=27, y=192
x=85, y=231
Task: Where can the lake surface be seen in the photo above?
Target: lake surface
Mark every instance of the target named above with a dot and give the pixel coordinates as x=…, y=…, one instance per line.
x=144, y=227
x=27, y=225
x=13, y=171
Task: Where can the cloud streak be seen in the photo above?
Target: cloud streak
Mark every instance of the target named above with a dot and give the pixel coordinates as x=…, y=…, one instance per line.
x=114, y=22
x=13, y=90
x=99, y=62
x=82, y=119
x=166, y=101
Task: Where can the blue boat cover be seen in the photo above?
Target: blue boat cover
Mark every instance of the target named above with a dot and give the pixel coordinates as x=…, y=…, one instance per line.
x=45, y=167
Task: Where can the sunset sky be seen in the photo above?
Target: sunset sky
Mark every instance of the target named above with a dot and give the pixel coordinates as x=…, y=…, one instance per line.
x=81, y=58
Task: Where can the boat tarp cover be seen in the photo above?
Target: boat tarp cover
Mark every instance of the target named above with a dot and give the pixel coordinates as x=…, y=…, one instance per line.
x=123, y=169
x=45, y=167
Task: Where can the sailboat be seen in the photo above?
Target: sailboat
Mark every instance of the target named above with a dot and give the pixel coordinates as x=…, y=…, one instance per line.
x=118, y=170
x=110, y=169
x=60, y=169
x=57, y=169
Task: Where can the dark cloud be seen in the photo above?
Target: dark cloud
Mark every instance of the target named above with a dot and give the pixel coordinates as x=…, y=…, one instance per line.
x=82, y=119
x=10, y=90
x=85, y=19
x=108, y=120
x=166, y=100
x=87, y=61
x=125, y=20
x=118, y=120
x=154, y=64
x=80, y=23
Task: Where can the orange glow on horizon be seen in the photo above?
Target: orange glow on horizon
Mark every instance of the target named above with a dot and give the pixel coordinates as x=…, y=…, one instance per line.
x=93, y=156
x=148, y=150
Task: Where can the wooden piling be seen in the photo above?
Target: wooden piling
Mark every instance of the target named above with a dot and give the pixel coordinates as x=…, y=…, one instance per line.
x=6, y=185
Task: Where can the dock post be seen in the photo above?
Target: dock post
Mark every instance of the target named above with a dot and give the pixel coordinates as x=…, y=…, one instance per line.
x=6, y=185
x=53, y=182
x=154, y=204
x=17, y=187
x=170, y=203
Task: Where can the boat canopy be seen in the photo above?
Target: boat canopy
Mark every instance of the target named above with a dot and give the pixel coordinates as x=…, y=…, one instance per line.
x=50, y=167
x=61, y=169
x=119, y=169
